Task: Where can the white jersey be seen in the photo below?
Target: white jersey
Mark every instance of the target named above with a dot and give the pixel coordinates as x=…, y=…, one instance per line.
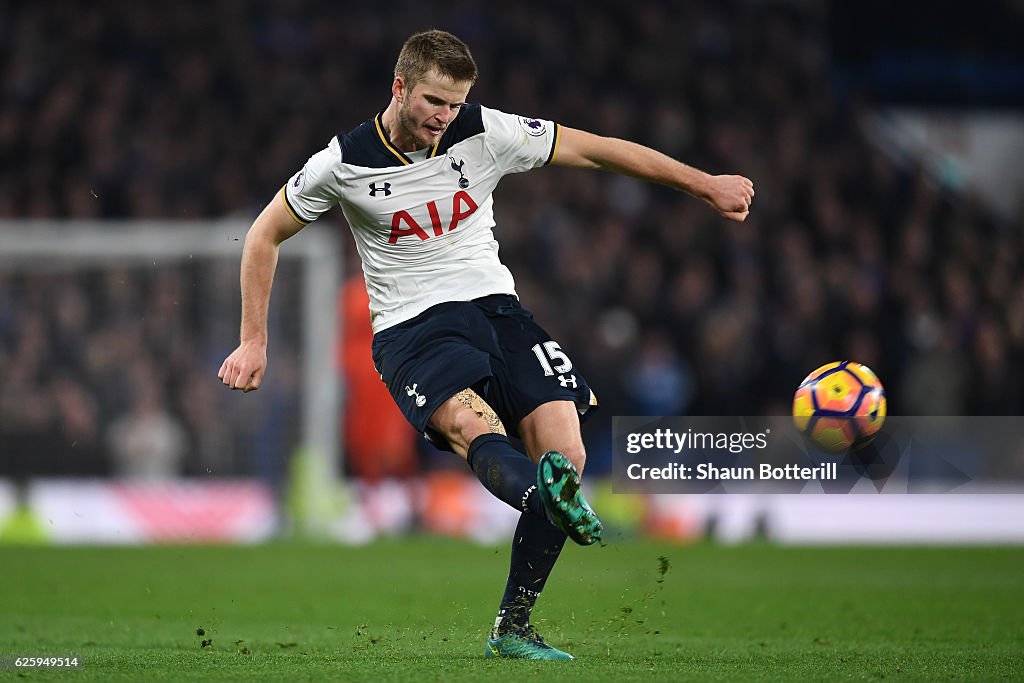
x=423, y=221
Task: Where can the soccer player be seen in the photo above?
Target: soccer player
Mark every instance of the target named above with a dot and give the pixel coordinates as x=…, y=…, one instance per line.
x=460, y=356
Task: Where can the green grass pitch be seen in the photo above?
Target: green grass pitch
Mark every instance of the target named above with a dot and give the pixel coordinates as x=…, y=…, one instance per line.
x=419, y=609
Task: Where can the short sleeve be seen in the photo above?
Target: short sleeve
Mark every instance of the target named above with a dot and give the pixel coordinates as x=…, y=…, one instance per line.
x=519, y=143
x=314, y=189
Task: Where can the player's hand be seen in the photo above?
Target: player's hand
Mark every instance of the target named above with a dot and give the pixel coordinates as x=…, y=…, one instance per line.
x=244, y=368
x=730, y=196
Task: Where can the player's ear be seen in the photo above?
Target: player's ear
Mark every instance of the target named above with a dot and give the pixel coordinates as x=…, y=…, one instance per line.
x=398, y=88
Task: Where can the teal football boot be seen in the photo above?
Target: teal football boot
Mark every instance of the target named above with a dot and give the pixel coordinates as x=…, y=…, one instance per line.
x=559, y=487
x=524, y=644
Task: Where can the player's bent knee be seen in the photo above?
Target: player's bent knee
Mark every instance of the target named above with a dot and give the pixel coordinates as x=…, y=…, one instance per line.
x=575, y=452
x=577, y=455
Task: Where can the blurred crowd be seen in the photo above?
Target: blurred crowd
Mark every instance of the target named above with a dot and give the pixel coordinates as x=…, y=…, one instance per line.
x=123, y=110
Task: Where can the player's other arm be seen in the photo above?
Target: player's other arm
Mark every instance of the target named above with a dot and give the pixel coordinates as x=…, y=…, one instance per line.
x=729, y=195
x=244, y=368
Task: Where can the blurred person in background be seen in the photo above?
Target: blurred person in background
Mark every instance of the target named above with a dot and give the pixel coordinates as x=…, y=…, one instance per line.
x=459, y=354
x=379, y=443
x=147, y=442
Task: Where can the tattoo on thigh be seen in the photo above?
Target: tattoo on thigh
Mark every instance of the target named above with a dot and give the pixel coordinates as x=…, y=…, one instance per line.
x=472, y=400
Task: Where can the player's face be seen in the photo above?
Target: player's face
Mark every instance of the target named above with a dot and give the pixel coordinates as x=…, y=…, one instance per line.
x=429, y=106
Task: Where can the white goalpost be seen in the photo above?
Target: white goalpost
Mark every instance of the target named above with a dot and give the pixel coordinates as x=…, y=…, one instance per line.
x=32, y=246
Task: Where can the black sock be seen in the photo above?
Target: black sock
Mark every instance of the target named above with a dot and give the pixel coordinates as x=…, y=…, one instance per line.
x=506, y=473
x=535, y=548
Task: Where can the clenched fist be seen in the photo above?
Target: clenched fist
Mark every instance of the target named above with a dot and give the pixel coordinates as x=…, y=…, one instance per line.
x=244, y=368
x=730, y=196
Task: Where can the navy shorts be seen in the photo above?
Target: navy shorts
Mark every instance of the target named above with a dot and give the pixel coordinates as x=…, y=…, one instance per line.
x=491, y=345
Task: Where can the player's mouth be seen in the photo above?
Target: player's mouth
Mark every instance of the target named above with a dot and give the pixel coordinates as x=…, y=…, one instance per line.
x=435, y=131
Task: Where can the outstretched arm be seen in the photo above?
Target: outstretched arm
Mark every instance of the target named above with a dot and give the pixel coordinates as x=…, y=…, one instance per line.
x=244, y=368
x=729, y=195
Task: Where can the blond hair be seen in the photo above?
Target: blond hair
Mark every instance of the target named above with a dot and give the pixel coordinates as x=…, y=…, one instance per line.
x=435, y=49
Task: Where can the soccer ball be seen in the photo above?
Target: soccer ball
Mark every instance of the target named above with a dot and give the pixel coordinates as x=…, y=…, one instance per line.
x=839, y=406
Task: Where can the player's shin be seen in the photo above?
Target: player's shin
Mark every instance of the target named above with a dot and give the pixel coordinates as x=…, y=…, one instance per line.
x=535, y=549
x=506, y=473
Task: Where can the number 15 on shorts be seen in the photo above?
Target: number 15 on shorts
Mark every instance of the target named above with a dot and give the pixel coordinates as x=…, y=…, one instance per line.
x=548, y=353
